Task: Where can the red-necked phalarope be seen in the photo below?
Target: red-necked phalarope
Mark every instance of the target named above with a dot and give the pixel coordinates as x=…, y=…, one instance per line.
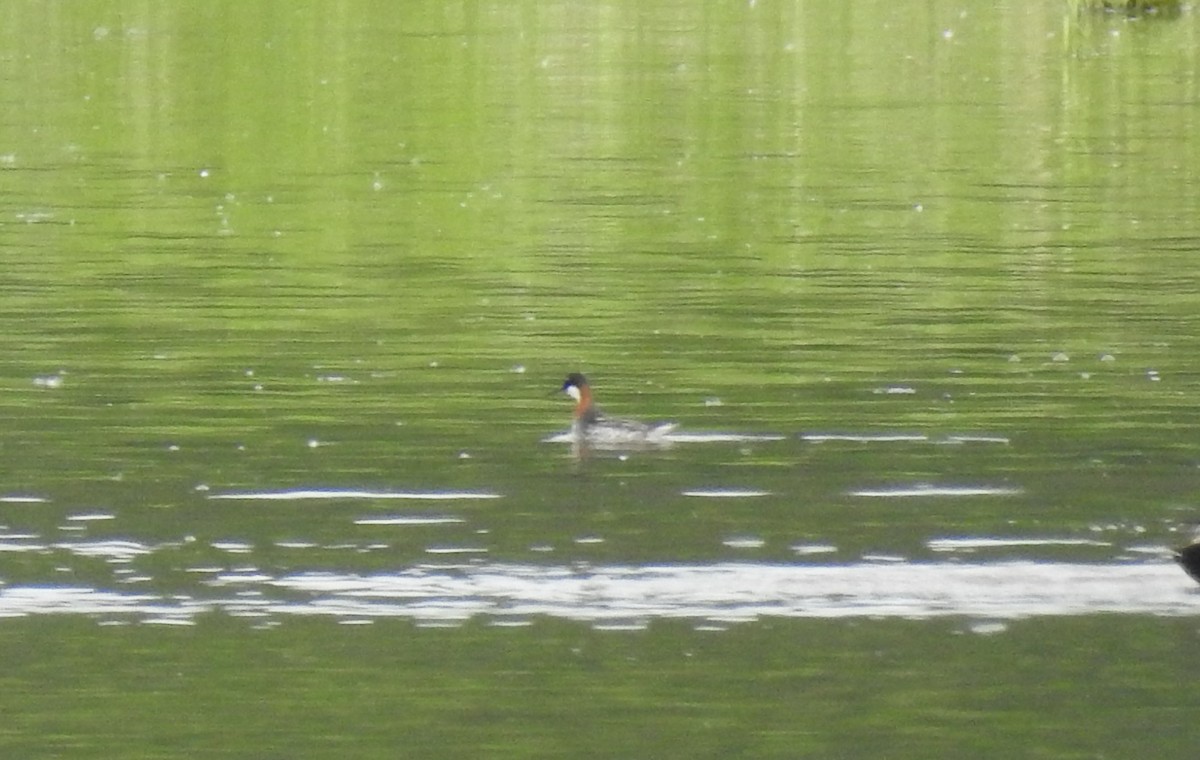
x=593, y=427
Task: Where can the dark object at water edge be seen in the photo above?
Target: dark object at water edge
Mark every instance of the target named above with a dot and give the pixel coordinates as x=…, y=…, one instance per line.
x=1189, y=559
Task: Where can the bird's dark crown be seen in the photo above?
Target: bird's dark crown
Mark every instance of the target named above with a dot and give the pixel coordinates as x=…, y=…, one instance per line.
x=576, y=379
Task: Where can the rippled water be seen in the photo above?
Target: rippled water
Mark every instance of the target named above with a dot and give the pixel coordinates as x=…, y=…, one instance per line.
x=712, y=596
x=981, y=576
x=289, y=293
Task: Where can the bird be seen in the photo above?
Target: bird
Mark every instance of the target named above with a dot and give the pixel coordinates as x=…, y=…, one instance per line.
x=593, y=427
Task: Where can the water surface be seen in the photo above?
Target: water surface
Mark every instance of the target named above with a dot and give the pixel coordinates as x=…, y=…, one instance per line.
x=289, y=287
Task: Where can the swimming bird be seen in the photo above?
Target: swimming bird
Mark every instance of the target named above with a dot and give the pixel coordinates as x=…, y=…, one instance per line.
x=592, y=426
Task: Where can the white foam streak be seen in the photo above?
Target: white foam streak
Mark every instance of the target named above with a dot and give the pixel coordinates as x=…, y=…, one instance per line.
x=43, y=600
x=970, y=544
x=308, y=494
x=410, y=520
x=111, y=550
x=621, y=595
x=905, y=492
x=865, y=437
x=672, y=436
x=750, y=591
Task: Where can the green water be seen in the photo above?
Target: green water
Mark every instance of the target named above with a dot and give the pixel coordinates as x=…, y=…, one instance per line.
x=780, y=689
x=259, y=249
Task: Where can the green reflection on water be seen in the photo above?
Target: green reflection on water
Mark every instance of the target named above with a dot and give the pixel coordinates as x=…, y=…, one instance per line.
x=1069, y=688
x=271, y=246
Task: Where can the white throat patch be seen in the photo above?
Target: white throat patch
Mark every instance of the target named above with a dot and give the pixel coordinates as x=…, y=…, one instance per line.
x=574, y=392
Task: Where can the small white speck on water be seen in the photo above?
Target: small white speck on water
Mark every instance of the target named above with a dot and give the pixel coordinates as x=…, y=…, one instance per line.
x=895, y=390
x=744, y=542
x=49, y=381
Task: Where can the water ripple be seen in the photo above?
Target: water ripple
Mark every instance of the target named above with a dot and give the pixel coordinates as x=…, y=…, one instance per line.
x=410, y=520
x=926, y=489
x=319, y=493
x=630, y=595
